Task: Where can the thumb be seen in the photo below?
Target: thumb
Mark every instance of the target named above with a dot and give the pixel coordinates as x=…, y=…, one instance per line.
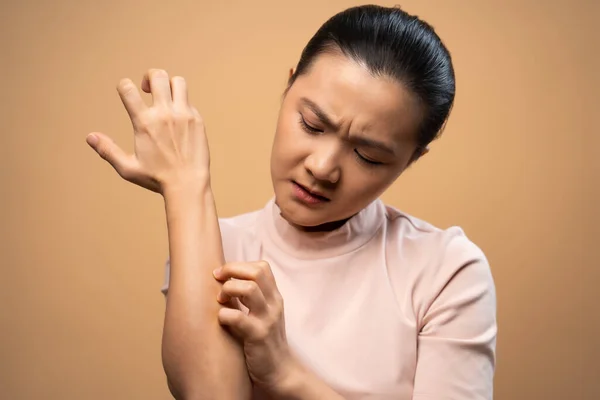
x=123, y=163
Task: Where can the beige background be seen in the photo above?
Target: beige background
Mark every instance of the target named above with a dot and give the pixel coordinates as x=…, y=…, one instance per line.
x=82, y=251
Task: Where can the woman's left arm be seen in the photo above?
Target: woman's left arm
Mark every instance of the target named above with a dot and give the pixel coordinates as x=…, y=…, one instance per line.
x=457, y=340
x=271, y=365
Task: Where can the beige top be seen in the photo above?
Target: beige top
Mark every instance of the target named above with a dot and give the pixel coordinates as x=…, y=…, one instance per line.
x=385, y=307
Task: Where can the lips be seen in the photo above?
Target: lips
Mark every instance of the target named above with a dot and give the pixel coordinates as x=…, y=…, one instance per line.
x=314, y=193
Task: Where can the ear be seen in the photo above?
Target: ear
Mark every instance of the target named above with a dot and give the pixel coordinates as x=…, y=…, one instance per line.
x=418, y=154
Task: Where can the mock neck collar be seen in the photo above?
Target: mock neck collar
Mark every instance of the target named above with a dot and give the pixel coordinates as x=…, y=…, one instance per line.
x=356, y=232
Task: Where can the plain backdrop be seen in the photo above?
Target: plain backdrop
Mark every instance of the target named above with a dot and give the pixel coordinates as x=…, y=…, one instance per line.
x=82, y=251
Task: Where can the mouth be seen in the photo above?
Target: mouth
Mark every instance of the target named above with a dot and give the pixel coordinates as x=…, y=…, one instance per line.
x=307, y=195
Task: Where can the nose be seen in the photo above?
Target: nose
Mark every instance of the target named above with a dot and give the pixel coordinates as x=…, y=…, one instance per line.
x=323, y=163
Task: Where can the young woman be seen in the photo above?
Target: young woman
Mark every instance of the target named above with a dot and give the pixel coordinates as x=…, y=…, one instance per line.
x=325, y=293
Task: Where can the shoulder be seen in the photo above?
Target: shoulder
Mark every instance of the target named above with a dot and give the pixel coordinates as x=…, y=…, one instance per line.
x=444, y=283
x=434, y=262
x=428, y=243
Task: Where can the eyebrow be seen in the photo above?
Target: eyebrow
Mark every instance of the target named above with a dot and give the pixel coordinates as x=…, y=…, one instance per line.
x=320, y=114
x=327, y=121
x=374, y=144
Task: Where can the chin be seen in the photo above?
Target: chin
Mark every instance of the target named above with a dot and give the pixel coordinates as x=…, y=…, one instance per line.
x=299, y=215
x=304, y=221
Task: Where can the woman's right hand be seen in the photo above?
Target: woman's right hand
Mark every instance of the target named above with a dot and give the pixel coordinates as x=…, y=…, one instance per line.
x=171, y=148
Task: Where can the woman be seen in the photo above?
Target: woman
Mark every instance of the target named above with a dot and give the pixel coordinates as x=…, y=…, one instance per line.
x=378, y=304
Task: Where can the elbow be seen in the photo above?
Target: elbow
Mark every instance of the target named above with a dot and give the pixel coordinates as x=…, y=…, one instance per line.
x=197, y=391
x=176, y=392
x=185, y=392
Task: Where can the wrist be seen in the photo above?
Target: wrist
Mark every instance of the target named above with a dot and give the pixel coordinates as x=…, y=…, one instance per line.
x=190, y=201
x=290, y=385
x=186, y=187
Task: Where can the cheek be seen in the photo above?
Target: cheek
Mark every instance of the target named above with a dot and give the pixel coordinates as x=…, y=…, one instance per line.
x=357, y=183
x=290, y=144
x=364, y=185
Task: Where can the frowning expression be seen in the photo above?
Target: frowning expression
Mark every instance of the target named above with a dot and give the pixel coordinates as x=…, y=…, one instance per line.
x=343, y=136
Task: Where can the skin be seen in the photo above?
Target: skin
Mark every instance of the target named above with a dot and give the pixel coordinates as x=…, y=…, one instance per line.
x=171, y=157
x=328, y=121
x=361, y=106
x=341, y=103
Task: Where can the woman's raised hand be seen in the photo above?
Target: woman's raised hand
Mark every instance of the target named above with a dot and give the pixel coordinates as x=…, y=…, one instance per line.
x=170, y=147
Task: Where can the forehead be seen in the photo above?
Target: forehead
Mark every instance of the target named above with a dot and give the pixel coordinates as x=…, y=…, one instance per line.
x=348, y=92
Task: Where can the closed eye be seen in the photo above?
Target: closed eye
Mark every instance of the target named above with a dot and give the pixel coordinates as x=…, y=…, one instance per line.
x=312, y=130
x=307, y=127
x=365, y=159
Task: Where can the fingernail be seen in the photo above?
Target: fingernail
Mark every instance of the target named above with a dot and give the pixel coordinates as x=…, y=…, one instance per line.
x=92, y=139
x=217, y=272
x=222, y=298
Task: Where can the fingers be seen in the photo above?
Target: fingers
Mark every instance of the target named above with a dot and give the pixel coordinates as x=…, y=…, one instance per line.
x=125, y=165
x=243, y=326
x=247, y=292
x=179, y=91
x=259, y=272
x=131, y=98
x=156, y=82
x=253, y=284
x=156, y=78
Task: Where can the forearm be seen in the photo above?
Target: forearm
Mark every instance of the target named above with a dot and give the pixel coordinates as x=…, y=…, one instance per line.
x=200, y=358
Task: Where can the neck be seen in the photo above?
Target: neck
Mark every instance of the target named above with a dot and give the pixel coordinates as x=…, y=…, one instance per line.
x=326, y=227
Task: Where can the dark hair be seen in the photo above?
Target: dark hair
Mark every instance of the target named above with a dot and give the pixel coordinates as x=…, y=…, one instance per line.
x=391, y=42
